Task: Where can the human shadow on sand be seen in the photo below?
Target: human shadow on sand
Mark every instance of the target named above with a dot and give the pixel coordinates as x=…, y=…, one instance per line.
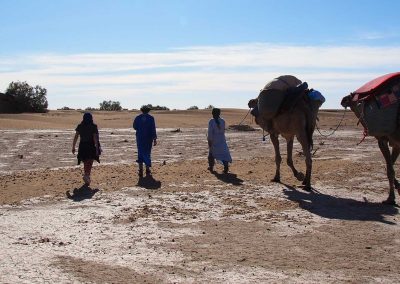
x=82, y=193
x=149, y=182
x=333, y=207
x=228, y=178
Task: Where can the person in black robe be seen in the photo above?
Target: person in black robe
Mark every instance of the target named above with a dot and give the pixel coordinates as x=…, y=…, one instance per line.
x=89, y=146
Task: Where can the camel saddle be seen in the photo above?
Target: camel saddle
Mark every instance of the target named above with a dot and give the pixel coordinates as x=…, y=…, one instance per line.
x=272, y=102
x=378, y=102
x=376, y=87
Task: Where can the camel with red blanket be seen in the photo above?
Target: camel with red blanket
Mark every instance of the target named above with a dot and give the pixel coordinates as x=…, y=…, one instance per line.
x=376, y=104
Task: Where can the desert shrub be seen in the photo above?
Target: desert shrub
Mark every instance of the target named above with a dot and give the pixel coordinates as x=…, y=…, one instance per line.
x=157, y=107
x=21, y=97
x=209, y=107
x=110, y=106
x=91, y=109
x=65, y=108
x=193, y=108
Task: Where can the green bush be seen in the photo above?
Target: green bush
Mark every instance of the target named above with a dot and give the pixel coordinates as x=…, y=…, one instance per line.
x=110, y=106
x=25, y=98
x=157, y=107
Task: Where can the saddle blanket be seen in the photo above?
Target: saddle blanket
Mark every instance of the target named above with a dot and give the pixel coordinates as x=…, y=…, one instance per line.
x=376, y=86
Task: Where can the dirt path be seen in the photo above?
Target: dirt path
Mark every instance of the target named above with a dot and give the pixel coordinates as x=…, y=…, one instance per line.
x=189, y=225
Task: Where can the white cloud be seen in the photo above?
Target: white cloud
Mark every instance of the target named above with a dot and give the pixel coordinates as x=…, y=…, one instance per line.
x=179, y=77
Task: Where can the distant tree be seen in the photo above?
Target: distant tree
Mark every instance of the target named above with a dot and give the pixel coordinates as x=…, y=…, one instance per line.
x=110, y=106
x=27, y=98
x=193, y=108
x=91, y=109
x=157, y=107
x=209, y=107
x=65, y=108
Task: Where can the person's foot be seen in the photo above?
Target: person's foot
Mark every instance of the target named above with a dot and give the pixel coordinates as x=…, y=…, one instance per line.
x=226, y=169
x=148, y=172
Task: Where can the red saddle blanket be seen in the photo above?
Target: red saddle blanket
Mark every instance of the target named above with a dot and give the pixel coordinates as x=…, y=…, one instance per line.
x=378, y=103
x=376, y=86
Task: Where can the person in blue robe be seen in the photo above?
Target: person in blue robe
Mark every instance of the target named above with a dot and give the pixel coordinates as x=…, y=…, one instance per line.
x=146, y=137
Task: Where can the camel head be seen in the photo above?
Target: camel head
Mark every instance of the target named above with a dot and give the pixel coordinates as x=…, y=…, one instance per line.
x=253, y=103
x=346, y=101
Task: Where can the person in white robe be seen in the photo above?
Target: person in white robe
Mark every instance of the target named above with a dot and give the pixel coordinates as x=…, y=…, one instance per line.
x=218, y=149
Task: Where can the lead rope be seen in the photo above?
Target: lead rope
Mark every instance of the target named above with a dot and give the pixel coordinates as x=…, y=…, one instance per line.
x=361, y=119
x=245, y=117
x=337, y=127
x=252, y=121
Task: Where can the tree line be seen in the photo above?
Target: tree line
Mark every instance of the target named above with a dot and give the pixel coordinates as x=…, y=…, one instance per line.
x=21, y=97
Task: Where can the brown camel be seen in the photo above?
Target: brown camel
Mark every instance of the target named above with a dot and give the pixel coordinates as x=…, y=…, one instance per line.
x=384, y=141
x=299, y=120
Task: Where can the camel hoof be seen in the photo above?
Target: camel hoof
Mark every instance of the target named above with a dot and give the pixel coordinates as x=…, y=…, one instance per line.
x=307, y=188
x=389, y=202
x=276, y=179
x=300, y=176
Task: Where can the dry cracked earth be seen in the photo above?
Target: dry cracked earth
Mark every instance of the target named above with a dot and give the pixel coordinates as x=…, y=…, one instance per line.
x=187, y=225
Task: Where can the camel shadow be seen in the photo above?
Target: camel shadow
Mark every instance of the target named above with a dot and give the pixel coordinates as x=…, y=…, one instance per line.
x=228, y=178
x=339, y=208
x=149, y=182
x=82, y=193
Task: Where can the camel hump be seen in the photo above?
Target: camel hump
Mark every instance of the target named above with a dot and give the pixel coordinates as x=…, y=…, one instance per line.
x=274, y=93
x=270, y=101
x=283, y=83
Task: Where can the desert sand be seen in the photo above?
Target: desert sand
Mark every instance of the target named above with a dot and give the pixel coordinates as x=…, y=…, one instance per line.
x=187, y=225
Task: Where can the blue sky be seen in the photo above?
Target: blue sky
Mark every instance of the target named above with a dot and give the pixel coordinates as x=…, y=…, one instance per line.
x=184, y=53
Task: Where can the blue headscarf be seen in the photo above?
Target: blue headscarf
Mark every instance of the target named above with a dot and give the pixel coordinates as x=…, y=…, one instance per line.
x=87, y=118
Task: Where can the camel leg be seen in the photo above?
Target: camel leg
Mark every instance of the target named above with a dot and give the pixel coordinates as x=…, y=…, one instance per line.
x=303, y=139
x=289, y=160
x=384, y=147
x=395, y=155
x=278, y=158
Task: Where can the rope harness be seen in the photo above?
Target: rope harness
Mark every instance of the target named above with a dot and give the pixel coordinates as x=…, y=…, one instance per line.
x=245, y=117
x=337, y=127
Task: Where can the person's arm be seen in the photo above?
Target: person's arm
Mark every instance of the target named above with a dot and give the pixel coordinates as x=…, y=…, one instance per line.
x=154, y=132
x=134, y=125
x=96, y=142
x=74, y=142
x=209, y=134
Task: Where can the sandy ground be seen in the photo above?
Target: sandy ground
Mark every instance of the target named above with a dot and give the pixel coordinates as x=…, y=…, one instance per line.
x=187, y=225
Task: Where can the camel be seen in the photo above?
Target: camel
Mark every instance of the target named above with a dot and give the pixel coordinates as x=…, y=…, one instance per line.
x=384, y=142
x=299, y=121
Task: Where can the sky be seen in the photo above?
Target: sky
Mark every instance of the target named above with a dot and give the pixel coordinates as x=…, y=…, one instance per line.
x=194, y=53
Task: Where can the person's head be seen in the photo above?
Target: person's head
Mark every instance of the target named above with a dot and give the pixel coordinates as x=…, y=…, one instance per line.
x=216, y=112
x=87, y=118
x=145, y=109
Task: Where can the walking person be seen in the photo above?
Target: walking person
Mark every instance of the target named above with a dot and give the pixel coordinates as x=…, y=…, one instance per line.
x=218, y=149
x=89, y=145
x=146, y=137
